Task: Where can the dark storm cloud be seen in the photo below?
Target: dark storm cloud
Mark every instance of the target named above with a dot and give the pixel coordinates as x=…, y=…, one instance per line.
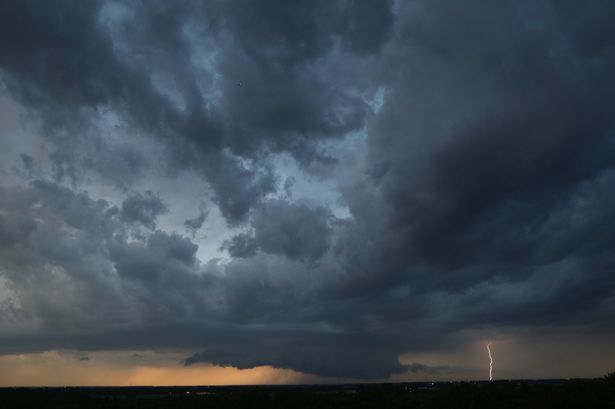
x=276, y=92
x=296, y=231
x=485, y=199
x=161, y=254
x=299, y=30
x=513, y=125
x=275, y=98
x=67, y=250
x=243, y=245
x=416, y=367
x=309, y=356
x=239, y=185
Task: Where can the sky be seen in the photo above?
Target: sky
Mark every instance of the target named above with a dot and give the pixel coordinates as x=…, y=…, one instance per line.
x=263, y=191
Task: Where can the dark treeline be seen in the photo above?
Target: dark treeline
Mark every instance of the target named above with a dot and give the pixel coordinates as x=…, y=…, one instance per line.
x=597, y=393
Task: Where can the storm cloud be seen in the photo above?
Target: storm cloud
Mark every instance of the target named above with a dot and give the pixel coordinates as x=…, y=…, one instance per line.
x=359, y=180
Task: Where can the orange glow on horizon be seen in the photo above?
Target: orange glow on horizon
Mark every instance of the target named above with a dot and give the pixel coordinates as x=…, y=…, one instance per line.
x=54, y=368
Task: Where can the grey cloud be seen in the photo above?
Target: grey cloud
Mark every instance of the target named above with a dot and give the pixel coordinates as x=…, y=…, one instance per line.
x=498, y=140
x=240, y=185
x=242, y=245
x=194, y=224
x=143, y=208
x=27, y=161
x=288, y=186
x=58, y=262
x=300, y=30
x=324, y=357
x=295, y=230
x=77, y=253
x=103, y=64
x=15, y=229
x=161, y=254
x=417, y=367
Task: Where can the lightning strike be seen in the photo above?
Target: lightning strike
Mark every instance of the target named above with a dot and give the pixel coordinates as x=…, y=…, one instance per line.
x=490, y=361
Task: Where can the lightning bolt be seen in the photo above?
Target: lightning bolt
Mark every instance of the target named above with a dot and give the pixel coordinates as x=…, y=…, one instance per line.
x=490, y=361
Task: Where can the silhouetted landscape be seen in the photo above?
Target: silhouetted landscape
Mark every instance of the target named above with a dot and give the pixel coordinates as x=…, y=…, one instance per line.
x=579, y=393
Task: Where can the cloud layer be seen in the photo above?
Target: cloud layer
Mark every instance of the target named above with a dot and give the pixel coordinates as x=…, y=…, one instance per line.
x=314, y=186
